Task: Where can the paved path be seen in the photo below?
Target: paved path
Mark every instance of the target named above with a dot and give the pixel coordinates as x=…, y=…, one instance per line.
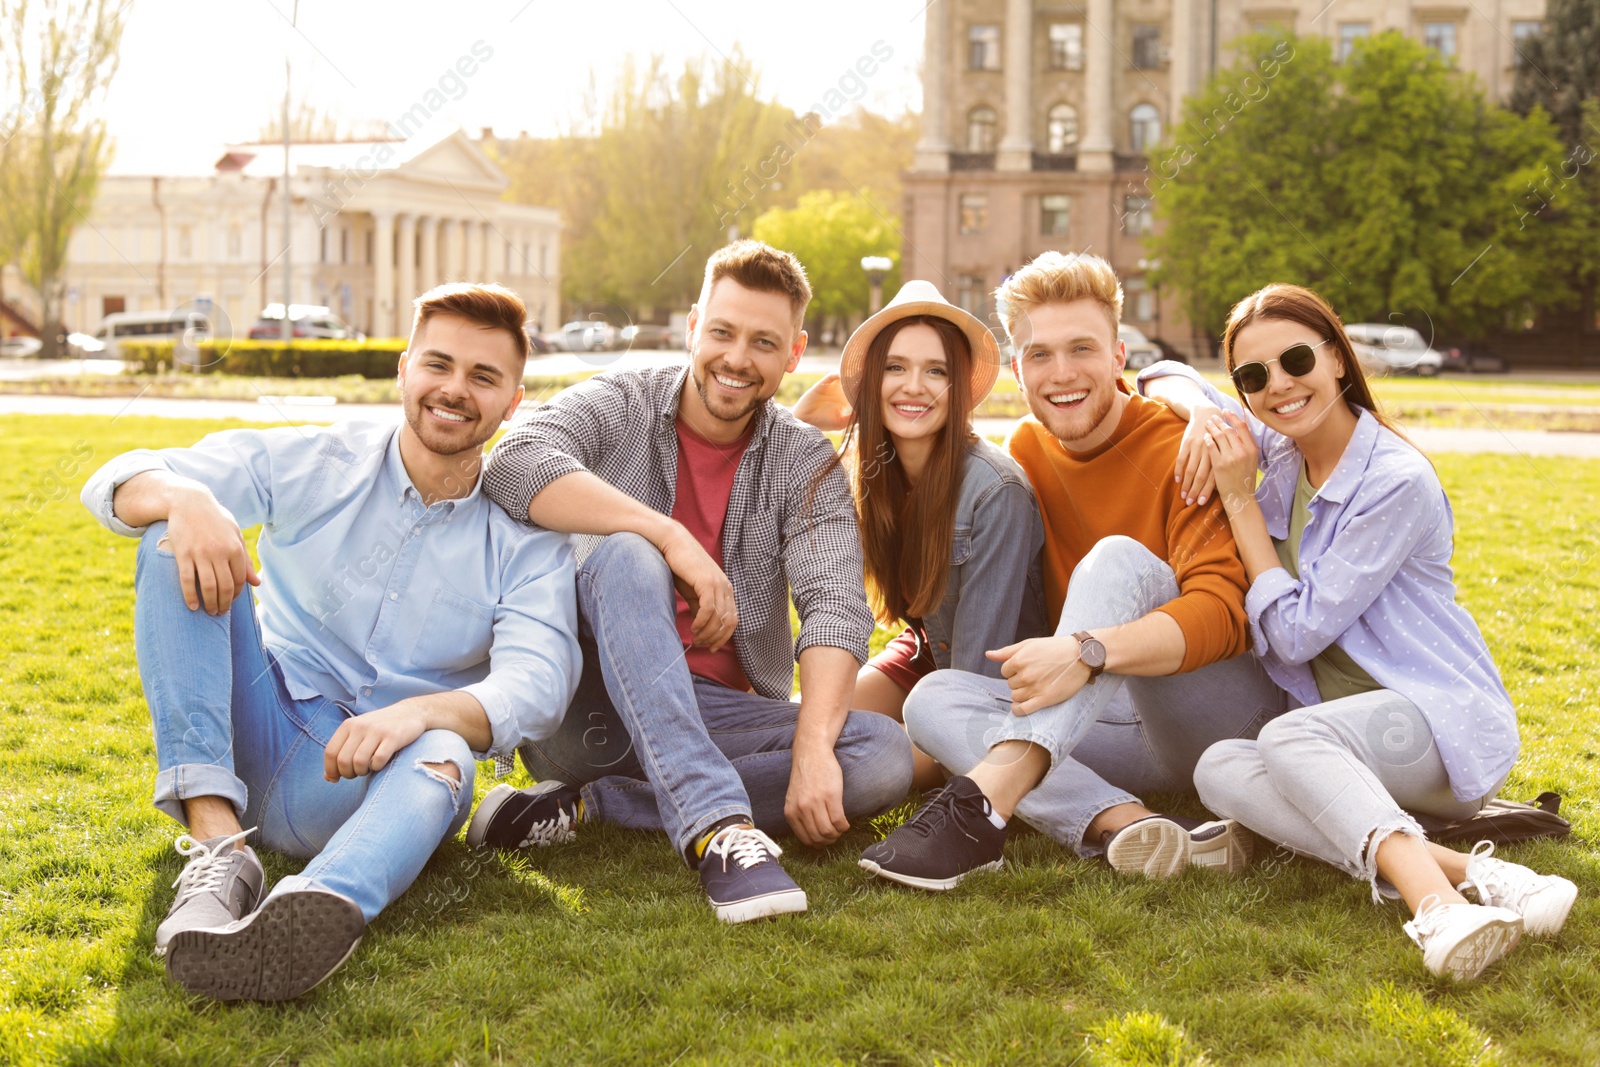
x=303, y=409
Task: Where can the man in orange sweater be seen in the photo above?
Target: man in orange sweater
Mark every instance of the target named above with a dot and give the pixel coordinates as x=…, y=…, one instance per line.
x=1148, y=666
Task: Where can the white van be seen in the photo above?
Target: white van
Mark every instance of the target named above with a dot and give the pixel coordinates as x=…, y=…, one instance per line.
x=141, y=326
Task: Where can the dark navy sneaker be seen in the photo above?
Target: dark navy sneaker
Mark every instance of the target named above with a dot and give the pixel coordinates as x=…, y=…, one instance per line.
x=1163, y=846
x=741, y=875
x=544, y=814
x=282, y=949
x=948, y=839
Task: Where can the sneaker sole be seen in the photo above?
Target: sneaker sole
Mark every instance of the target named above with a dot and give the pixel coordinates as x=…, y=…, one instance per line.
x=1160, y=849
x=491, y=804
x=937, y=885
x=1483, y=947
x=788, y=902
x=287, y=948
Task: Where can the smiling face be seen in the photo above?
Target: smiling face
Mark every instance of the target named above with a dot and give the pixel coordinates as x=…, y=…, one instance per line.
x=1295, y=407
x=458, y=382
x=916, y=384
x=744, y=341
x=1068, y=361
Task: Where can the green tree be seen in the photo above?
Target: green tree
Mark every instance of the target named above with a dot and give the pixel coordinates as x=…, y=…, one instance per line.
x=1386, y=182
x=830, y=232
x=60, y=57
x=1559, y=69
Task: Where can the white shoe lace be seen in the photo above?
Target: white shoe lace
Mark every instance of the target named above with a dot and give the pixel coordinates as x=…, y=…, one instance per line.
x=1428, y=919
x=747, y=845
x=207, y=868
x=1494, y=880
x=556, y=831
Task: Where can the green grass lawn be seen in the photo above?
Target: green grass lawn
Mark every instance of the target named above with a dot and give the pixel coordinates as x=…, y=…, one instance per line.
x=604, y=951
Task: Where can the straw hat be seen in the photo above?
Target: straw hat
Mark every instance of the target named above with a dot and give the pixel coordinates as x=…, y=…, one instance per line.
x=921, y=298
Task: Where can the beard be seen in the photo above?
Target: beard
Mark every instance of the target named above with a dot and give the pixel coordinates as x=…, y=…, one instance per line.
x=445, y=439
x=1076, y=425
x=726, y=409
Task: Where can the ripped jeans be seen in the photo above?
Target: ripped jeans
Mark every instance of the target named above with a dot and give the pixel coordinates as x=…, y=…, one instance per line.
x=225, y=726
x=1333, y=780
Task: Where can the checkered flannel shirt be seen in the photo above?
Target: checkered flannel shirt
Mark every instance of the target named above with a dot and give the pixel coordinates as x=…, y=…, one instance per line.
x=620, y=425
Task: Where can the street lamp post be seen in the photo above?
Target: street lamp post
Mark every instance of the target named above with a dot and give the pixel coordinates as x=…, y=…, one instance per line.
x=876, y=268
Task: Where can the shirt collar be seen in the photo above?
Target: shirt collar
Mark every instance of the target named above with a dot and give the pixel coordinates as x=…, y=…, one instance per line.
x=401, y=486
x=1352, y=466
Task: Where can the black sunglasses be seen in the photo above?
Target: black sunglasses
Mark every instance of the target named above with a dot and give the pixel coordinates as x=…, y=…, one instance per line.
x=1296, y=360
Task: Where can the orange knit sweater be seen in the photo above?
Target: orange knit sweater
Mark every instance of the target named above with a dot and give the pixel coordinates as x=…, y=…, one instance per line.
x=1126, y=487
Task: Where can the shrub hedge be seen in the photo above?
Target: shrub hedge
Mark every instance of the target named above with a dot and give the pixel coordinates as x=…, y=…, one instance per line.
x=372, y=358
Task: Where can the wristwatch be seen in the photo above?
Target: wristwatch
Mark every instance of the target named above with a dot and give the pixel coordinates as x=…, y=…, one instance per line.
x=1091, y=652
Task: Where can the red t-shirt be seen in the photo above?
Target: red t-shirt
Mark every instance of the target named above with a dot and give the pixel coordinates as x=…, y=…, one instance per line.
x=705, y=481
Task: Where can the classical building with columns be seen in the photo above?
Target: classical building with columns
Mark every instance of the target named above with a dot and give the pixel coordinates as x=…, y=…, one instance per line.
x=372, y=224
x=1038, y=116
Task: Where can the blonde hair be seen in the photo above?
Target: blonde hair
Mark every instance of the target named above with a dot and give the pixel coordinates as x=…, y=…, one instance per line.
x=1057, y=278
x=759, y=266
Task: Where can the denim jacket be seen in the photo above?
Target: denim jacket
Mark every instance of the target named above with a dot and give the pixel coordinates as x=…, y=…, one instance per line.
x=995, y=593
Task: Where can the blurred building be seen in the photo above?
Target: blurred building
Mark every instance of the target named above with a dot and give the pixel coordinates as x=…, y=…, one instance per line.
x=373, y=224
x=1038, y=116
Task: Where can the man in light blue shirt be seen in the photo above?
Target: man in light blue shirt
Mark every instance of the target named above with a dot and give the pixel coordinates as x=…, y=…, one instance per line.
x=405, y=627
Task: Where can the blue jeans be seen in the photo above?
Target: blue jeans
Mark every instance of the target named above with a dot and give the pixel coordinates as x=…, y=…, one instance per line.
x=225, y=726
x=656, y=748
x=1119, y=735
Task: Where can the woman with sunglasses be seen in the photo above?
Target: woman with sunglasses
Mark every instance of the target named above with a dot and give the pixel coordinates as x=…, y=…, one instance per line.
x=1347, y=543
x=950, y=530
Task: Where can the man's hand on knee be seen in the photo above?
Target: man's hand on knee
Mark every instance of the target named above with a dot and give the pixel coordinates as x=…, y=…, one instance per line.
x=366, y=743
x=814, y=806
x=1042, y=672
x=214, y=565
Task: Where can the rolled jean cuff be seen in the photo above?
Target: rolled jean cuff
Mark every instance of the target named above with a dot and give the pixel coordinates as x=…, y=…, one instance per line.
x=1367, y=866
x=1080, y=829
x=1023, y=730
x=188, y=780
x=701, y=825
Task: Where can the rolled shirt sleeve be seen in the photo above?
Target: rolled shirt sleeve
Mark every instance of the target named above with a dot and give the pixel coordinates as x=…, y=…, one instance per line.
x=822, y=557
x=571, y=432
x=534, y=661
x=236, y=465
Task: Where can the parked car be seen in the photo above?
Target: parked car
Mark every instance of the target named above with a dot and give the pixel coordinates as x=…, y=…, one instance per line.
x=20, y=347
x=82, y=346
x=1384, y=348
x=589, y=336
x=1169, y=351
x=306, y=321
x=1142, y=352
x=537, y=345
x=1473, y=357
x=142, y=326
x=648, y=336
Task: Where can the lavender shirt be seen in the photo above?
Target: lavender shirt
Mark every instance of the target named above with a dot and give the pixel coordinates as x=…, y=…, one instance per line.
x=1375, y=579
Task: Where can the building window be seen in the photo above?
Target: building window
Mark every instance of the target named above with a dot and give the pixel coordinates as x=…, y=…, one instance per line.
x=1062, y=130
x=542, y=250
x=1139, y=301
x=344, y=244
x=1522, y=31
x=185, y=242
x=1349, y=34
x=322, y=245
x=113, y=305
x=235, y=241
x=1147, y=47
x=1440, y=38
x=1055, y=215
x=1066, y=46
x=983, y=48
x=1137, y=217
x=371, y=235
x=1146, y=122
x=971, y=294
x=974, y=212
x=981, y=124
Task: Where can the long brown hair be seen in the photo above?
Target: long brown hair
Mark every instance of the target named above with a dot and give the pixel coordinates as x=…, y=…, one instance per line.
x=1295, y=303
x=906, y=529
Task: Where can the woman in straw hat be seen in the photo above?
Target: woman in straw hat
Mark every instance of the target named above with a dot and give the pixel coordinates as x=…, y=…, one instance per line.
x=950, y=531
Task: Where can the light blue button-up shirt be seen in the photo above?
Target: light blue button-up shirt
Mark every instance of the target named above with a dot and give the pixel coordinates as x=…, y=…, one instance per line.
x=367, y=595
x=1375, y=579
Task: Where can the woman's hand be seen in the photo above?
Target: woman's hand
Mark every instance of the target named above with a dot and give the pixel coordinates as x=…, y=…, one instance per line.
x=1234, y=460
x=824, y=405
x=1193, y=473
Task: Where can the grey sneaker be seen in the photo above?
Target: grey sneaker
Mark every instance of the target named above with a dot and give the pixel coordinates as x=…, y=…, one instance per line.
x=219, y=884
x=282, y=949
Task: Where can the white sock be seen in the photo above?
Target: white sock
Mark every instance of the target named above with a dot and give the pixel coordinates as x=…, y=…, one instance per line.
x=994, y=817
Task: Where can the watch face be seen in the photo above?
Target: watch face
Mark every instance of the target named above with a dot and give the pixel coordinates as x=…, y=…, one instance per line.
x=1092, y=652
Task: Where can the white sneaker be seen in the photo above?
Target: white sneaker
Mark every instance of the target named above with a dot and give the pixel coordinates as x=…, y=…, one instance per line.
x=1543, y=900
x=1461, y=940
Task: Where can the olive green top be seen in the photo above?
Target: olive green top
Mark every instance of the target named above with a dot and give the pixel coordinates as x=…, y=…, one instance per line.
x=1336, y=673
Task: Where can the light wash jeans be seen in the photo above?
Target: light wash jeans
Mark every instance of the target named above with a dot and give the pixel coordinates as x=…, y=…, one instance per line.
x=656, y=748
x=1114, y=738
x=1333, y=779
x=225, y=726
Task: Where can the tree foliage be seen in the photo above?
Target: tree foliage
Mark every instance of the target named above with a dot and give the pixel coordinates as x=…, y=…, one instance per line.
x=1386, y=182
x=830, y=233
x=59, y=58
x=1559, y=69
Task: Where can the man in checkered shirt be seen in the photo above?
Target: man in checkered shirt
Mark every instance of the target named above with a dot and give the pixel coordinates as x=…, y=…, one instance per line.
x=701, y=510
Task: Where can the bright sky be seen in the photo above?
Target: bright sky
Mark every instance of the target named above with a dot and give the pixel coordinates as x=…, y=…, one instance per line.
x=197, y=73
